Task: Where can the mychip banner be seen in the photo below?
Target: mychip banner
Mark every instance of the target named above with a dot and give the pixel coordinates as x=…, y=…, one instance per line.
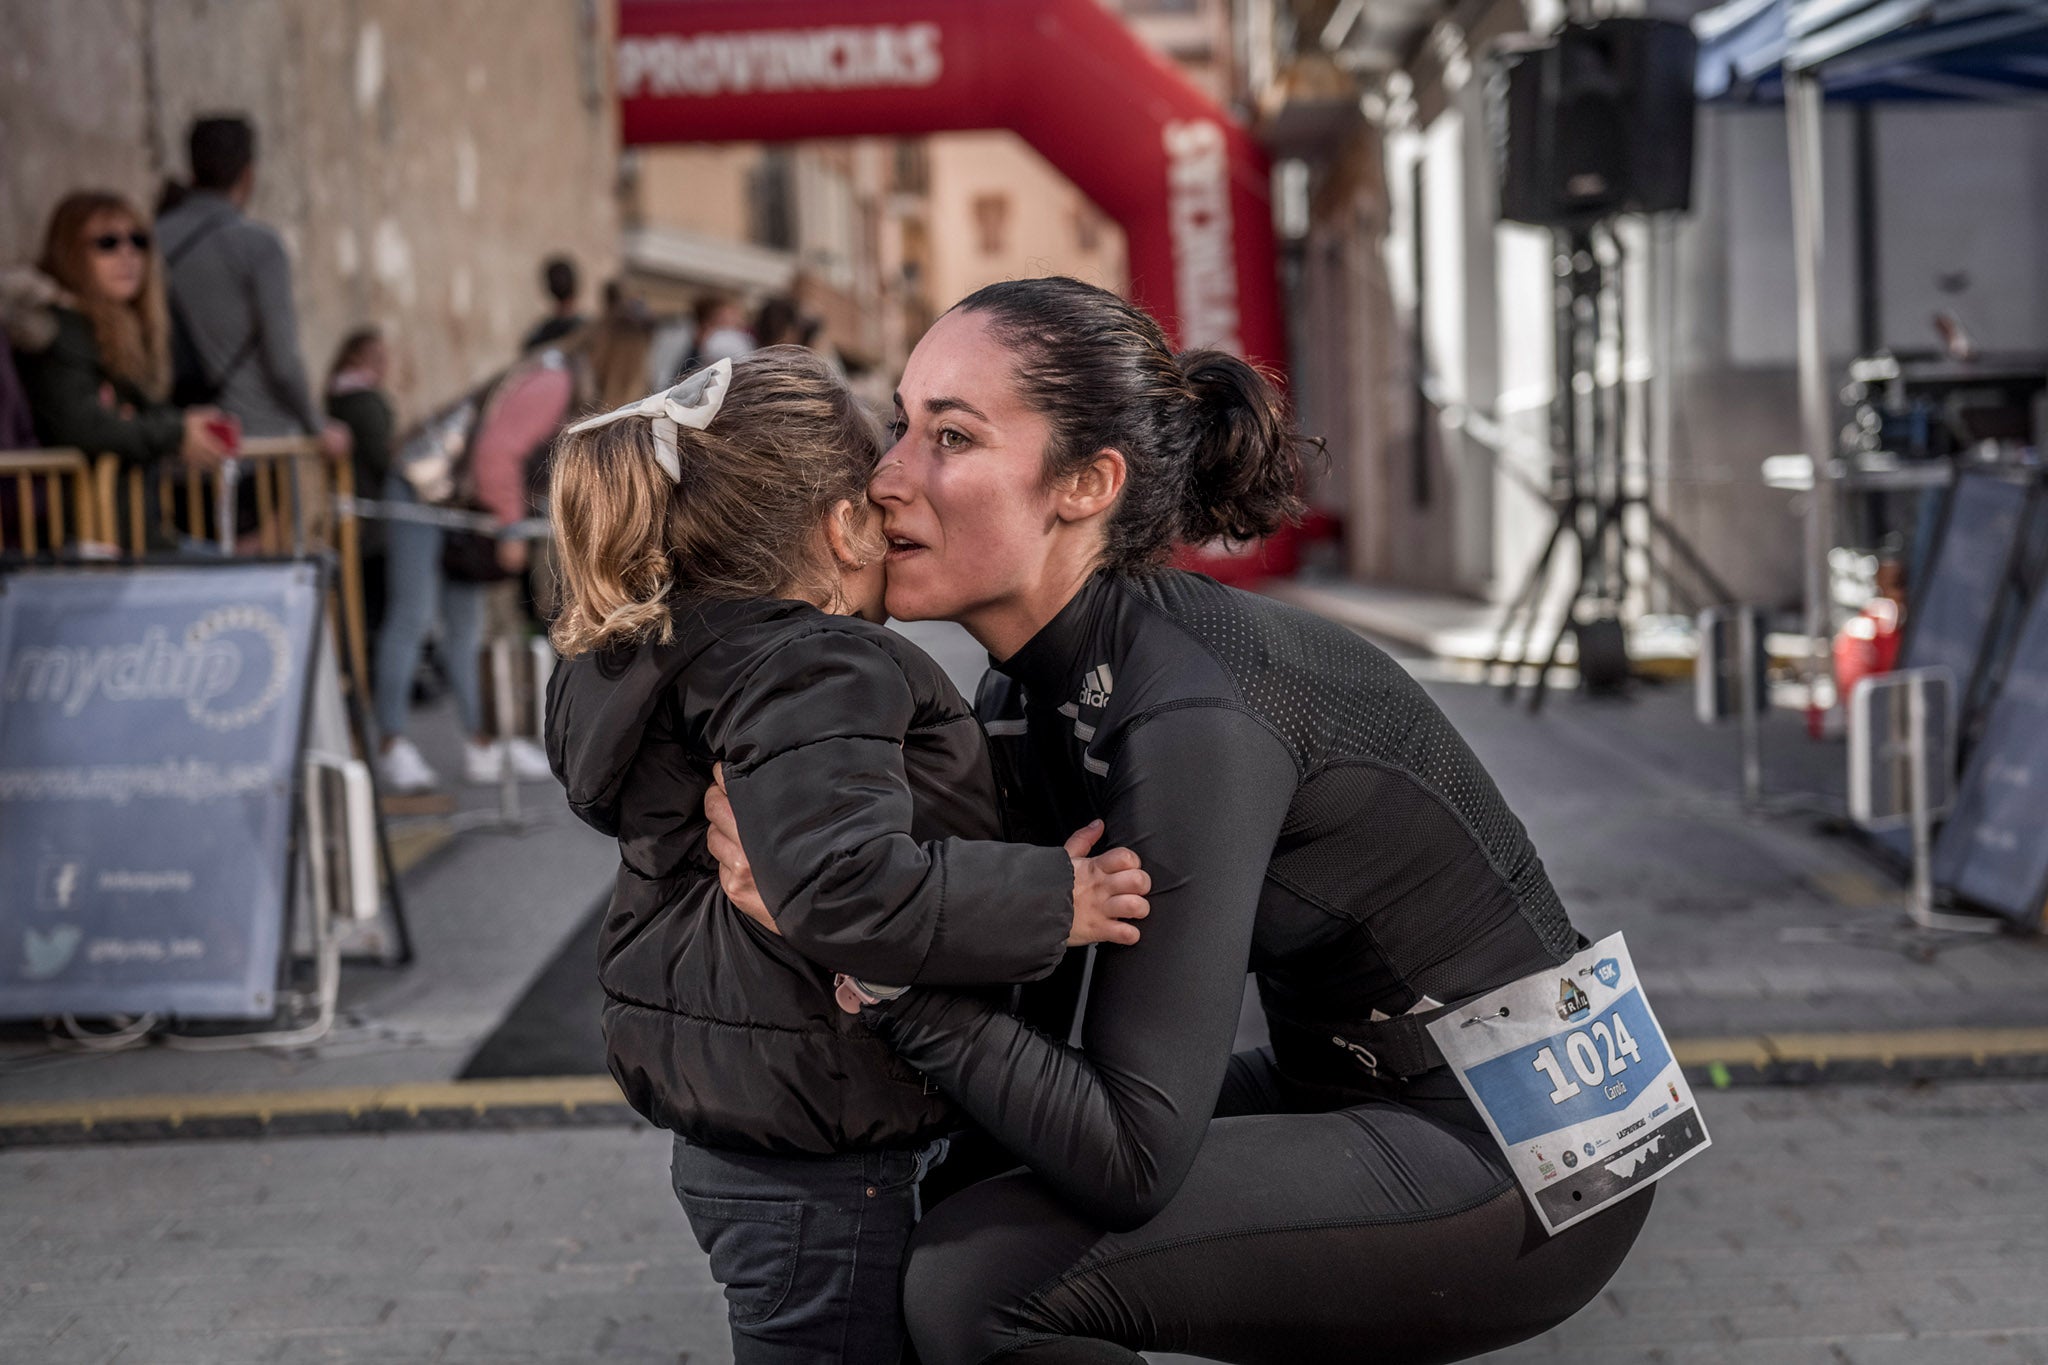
x=151, y=721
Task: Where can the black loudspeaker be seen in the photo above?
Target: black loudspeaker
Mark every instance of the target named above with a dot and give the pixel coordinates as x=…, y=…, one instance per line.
x=1597, y=121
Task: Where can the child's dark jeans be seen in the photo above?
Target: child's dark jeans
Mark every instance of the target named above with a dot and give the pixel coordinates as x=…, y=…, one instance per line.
x=809, y=1249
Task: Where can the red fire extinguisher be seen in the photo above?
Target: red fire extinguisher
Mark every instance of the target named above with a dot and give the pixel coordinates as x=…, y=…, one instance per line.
x=1868, y=645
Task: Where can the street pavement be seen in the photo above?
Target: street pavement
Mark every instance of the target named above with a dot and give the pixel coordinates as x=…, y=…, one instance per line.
x=1741, y=923
x=1853, y=1223
x=1850, y=1225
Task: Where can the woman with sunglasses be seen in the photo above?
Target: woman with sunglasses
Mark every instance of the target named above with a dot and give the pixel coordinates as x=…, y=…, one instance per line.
x=101, y=381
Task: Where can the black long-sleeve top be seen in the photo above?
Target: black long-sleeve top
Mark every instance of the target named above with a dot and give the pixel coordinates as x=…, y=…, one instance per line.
x=1304, y=810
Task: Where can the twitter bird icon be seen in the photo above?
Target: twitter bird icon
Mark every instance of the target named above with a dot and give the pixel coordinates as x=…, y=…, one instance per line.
x=49, y=954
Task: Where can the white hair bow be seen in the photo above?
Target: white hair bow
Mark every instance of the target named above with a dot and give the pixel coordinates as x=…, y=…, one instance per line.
x=692, y=403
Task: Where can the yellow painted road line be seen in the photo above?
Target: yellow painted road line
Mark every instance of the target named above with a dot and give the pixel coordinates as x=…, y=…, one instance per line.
x=1724, y=1051
x=571, y=1092
x=567, y=1092
x=1854, y=888
x=1976, y=1044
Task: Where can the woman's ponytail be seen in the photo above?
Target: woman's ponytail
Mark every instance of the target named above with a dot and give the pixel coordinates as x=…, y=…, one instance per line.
x=1244, y=473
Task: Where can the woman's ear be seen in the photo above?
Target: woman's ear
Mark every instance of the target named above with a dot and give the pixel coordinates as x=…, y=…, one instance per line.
x=1094, y=488
x=849, y=534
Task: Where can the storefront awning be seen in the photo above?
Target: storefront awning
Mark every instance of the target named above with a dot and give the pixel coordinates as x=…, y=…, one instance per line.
x=1992, y=50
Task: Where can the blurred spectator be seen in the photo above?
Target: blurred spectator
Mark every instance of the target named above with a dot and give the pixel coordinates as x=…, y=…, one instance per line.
x=230, y=290
x=519, y=415
x=673, y=342
x=16, y=431
x=614, y=354
x=558, y=278
x=91, y=344
x=721, y=332
x=778, y=322
x=430, y=572
x=170, y=194
x=610, y=359
x=20, y=307
x=356, y=399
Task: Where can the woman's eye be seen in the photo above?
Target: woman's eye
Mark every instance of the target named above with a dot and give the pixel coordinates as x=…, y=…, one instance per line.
x=951, y=438
x=897, y=428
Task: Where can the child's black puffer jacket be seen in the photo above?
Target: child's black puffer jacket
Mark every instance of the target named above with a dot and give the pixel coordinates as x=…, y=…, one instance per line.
x=862, y=784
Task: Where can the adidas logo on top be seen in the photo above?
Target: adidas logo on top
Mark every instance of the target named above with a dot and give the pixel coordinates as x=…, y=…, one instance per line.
x=1095, y=688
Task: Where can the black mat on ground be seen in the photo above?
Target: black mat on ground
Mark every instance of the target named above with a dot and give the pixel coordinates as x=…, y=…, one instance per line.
x=553, y=1030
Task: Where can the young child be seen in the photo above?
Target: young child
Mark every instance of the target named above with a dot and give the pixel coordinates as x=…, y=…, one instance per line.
x=721, y=576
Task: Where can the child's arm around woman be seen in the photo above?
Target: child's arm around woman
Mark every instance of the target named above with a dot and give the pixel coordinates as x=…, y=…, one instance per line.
x=813, y=745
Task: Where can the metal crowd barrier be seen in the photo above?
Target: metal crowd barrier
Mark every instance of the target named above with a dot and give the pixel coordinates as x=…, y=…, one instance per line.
x=64, y=513
x=304, y=505
x=68, y=504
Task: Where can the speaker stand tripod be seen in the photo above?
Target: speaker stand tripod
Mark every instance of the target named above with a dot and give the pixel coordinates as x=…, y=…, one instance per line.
x=1596, y=502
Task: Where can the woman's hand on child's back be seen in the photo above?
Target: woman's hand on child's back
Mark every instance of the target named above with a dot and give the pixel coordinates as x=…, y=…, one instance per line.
x=735, y=873
x=1109, y=891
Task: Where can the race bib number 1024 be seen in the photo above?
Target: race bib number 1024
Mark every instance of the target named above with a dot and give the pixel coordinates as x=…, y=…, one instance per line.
x=1577, y=1083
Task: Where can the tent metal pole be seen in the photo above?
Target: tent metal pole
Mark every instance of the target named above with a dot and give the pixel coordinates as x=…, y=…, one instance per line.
x=1816, y=404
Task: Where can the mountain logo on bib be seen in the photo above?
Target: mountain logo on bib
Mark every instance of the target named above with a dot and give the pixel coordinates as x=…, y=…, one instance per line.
x=1571, y=1001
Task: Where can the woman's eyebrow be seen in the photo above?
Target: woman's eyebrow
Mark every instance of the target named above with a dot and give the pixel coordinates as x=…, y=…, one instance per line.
x=939, y=405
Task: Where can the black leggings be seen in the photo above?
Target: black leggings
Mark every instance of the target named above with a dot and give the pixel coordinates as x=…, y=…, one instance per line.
x=1388, y=1231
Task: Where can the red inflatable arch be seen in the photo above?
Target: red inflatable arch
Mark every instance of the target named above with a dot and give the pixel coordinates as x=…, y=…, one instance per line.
x=1188, y=184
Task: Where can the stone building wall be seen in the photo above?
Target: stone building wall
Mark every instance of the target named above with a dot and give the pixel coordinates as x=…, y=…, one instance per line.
x=419, y=159
x=1000, y=211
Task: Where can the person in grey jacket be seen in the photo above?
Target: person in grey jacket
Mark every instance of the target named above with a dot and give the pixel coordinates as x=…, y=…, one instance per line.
x=231, y=288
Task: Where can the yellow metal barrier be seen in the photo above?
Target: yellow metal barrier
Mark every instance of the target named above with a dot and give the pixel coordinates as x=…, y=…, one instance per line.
x=294, y=502
x=69, y=513
x=301, y=508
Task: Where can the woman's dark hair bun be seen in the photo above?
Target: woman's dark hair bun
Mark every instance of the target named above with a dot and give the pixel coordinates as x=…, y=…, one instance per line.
x=1244, y=478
